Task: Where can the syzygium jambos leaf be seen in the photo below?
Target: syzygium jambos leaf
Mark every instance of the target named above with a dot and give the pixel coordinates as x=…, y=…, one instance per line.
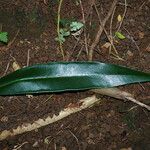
x=68, y=76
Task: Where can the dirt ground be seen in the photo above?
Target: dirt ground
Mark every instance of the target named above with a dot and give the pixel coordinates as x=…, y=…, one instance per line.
x=110, y=125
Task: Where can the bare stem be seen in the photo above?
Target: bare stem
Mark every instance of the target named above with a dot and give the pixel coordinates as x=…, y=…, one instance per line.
x=58, y=29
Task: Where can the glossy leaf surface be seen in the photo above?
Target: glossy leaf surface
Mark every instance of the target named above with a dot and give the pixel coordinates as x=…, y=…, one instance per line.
x=68, y=76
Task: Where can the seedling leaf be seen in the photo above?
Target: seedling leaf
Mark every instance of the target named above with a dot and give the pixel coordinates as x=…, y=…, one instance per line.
x=75, y=26
x=64, y=32
x=120, y=35
x=3, y=37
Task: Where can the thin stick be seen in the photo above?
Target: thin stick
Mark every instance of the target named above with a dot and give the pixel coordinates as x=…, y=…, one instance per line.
x=100, y=30
x=19, y=146
x=73, y=49
x=85, y=36
x=138, y=103
x=58, y=28
x=119, y=94
x=132, y=39
x=79, y=52
x=7, y=67
x=111, y=35
x=123, y=16
x=113, y=92
x=78, y=39
x=1, y=27
x=75, y=138
x=28, y=57
x=116, y=55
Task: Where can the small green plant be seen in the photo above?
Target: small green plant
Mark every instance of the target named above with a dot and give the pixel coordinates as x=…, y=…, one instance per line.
x=62, y=34
x=75, y=26
x=4, y=37
x=68, y=28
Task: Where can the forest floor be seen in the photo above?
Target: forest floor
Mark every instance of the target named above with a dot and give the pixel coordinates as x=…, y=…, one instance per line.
x=111, y=124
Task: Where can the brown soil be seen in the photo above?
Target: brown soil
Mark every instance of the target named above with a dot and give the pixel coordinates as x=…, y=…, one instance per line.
x=112, y=124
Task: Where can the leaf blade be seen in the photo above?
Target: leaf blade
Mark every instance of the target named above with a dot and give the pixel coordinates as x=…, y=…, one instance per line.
x=68, y=76
x=4, y=37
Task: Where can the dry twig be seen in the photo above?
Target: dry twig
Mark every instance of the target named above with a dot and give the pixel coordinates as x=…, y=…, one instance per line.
x=119, y=94
x=28, y=57
x=109, y=37
x=100, y=30
x=7, y=67
x=85, y=36
x=75, y=138
x=123, y=16
x=58, y=29
x=17, y=147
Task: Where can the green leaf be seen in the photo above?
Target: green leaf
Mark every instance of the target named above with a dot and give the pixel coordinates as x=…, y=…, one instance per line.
x=120, y=35
x=66, y=22
x=64, y=32
x=75, y=26
x=68, y=76
x=3, y=37
x=60, y=39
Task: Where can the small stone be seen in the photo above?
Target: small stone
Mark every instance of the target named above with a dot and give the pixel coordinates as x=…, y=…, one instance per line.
x=21, y=42
x=141, y=35
x=63, y=148
x=36, y=143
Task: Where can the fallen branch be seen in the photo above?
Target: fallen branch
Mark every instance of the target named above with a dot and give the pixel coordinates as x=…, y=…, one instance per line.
x=100, y=30
x=113, y=92
x=72, y=108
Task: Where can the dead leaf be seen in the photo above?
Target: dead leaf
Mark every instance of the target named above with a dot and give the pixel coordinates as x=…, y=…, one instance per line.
x=141, y=35
x=15, y=66
x=119, y=18
x=106, y=45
